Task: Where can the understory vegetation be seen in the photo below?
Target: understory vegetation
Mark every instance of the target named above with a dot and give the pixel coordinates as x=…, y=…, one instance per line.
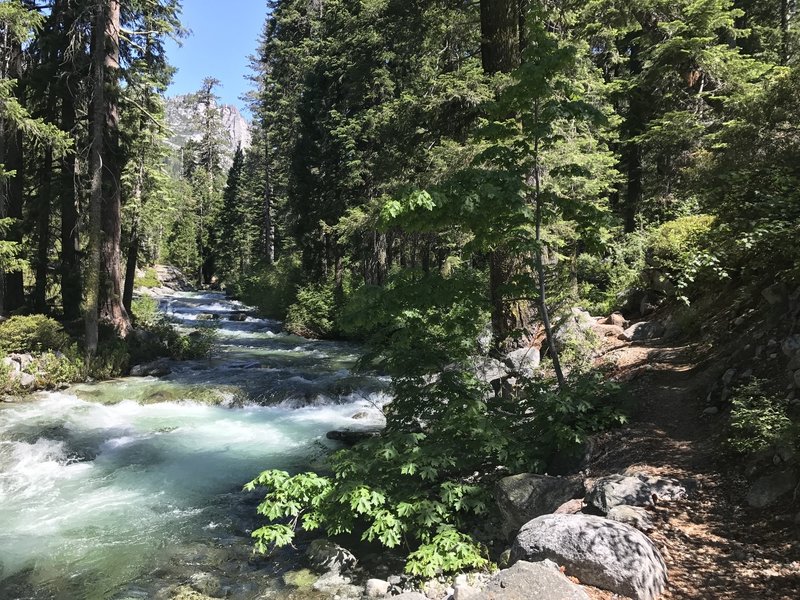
x=453, y=184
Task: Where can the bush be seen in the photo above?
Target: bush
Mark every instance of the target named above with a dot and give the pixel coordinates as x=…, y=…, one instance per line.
x=604, y=282
x=148, y=280
x=758, y=419
x=33, y=333
x=272, y=289
x=145, y=310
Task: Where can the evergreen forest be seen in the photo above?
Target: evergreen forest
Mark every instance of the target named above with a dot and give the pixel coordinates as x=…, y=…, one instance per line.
x=518, y=253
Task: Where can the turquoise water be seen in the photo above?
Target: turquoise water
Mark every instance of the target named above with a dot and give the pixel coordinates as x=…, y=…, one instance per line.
x=126, y=488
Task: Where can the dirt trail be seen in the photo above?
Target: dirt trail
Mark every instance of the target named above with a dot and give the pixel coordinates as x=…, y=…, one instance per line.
x=714, y=544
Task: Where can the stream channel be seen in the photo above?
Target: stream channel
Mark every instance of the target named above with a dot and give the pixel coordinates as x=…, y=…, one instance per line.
x=132, y=487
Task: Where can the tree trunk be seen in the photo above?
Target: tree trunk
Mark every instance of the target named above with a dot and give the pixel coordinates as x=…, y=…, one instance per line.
x=111, y=307
x=43, y=233
x=634, y=126
x=95, y=231
x=785, y=17
x=71, y=289
x=500, y=35
x=133, y=244
x=269, y=226
x=501, y=40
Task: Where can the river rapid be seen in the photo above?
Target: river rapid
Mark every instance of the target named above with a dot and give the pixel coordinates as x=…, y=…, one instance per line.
x=129, y=488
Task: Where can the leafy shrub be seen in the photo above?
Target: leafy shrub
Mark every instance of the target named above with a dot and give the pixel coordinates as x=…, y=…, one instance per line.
x=148, y=280
x=672, y=245
x=54, y=369
x=145, y=310
x=272, y=289
x=32, y=333
x=313, y=314
x=605, y=281
x=112, y=359
x=158, y=337
x=758, y=419
x=428, y=490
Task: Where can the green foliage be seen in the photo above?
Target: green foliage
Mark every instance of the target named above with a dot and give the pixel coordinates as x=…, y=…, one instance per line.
x=32, y=333
x=145, y=310
x=753, y=186
x=312, y=314
x=673, y=245
x=148, y=280
x=271, y=289
x=758, y=418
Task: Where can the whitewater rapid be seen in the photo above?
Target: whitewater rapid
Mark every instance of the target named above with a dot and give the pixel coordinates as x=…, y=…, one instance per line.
x=124, y=488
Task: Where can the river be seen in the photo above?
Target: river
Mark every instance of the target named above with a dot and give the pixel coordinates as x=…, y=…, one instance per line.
x=128, y=488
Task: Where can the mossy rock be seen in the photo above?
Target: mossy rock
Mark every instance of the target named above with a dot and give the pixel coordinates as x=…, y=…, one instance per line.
x=302, y=579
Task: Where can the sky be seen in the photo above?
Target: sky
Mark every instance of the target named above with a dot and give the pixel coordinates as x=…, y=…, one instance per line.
x=223, y=36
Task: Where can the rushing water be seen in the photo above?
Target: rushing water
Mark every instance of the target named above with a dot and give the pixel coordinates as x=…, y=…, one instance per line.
x=123, y=489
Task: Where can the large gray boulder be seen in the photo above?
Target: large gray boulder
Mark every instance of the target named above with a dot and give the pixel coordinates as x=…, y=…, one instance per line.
x=524, y=361
x=523, y=497
x=324, y=555
x=770, y=488
x=643, y=331
x=641, y=490
x=531, y=581
x=599, y=552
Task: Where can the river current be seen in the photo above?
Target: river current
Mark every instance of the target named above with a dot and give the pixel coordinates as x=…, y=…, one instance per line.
x=129, y=488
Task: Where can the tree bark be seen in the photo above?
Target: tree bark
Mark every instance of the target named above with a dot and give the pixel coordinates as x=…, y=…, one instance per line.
x=269, y=226
x=95, y=232
x=501, y=41
x=112, y=310
x=71, y=287
x=132, y=257
x=43, y=233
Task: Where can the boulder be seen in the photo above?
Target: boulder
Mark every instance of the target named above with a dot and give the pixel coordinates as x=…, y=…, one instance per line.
x=350, y=437
x=570, y=507
x=791, y=345
x=238, y=316
x=524, y=580
x=465, y=591
x=410, y=596
x=599, y=552
x=523, y=497
x=616, y=490
x=635, y=516
x=13, y=366
x=643, y=331
x=26, y=380
x=157, y=368
x=616, y=319
x=770, y=488
x=207, y=584
x=325, y=555
x=24, y=360
x=207, y=317
x=524, y=361
x=376, y=588
x=488, y=369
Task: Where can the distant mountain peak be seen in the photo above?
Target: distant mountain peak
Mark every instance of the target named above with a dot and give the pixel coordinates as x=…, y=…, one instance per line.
x=182, y=113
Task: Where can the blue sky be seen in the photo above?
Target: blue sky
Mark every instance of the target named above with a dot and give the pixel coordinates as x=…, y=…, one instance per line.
x=224, y=35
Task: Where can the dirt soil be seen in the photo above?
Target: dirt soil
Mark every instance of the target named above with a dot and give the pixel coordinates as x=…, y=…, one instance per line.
x=714, y=544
